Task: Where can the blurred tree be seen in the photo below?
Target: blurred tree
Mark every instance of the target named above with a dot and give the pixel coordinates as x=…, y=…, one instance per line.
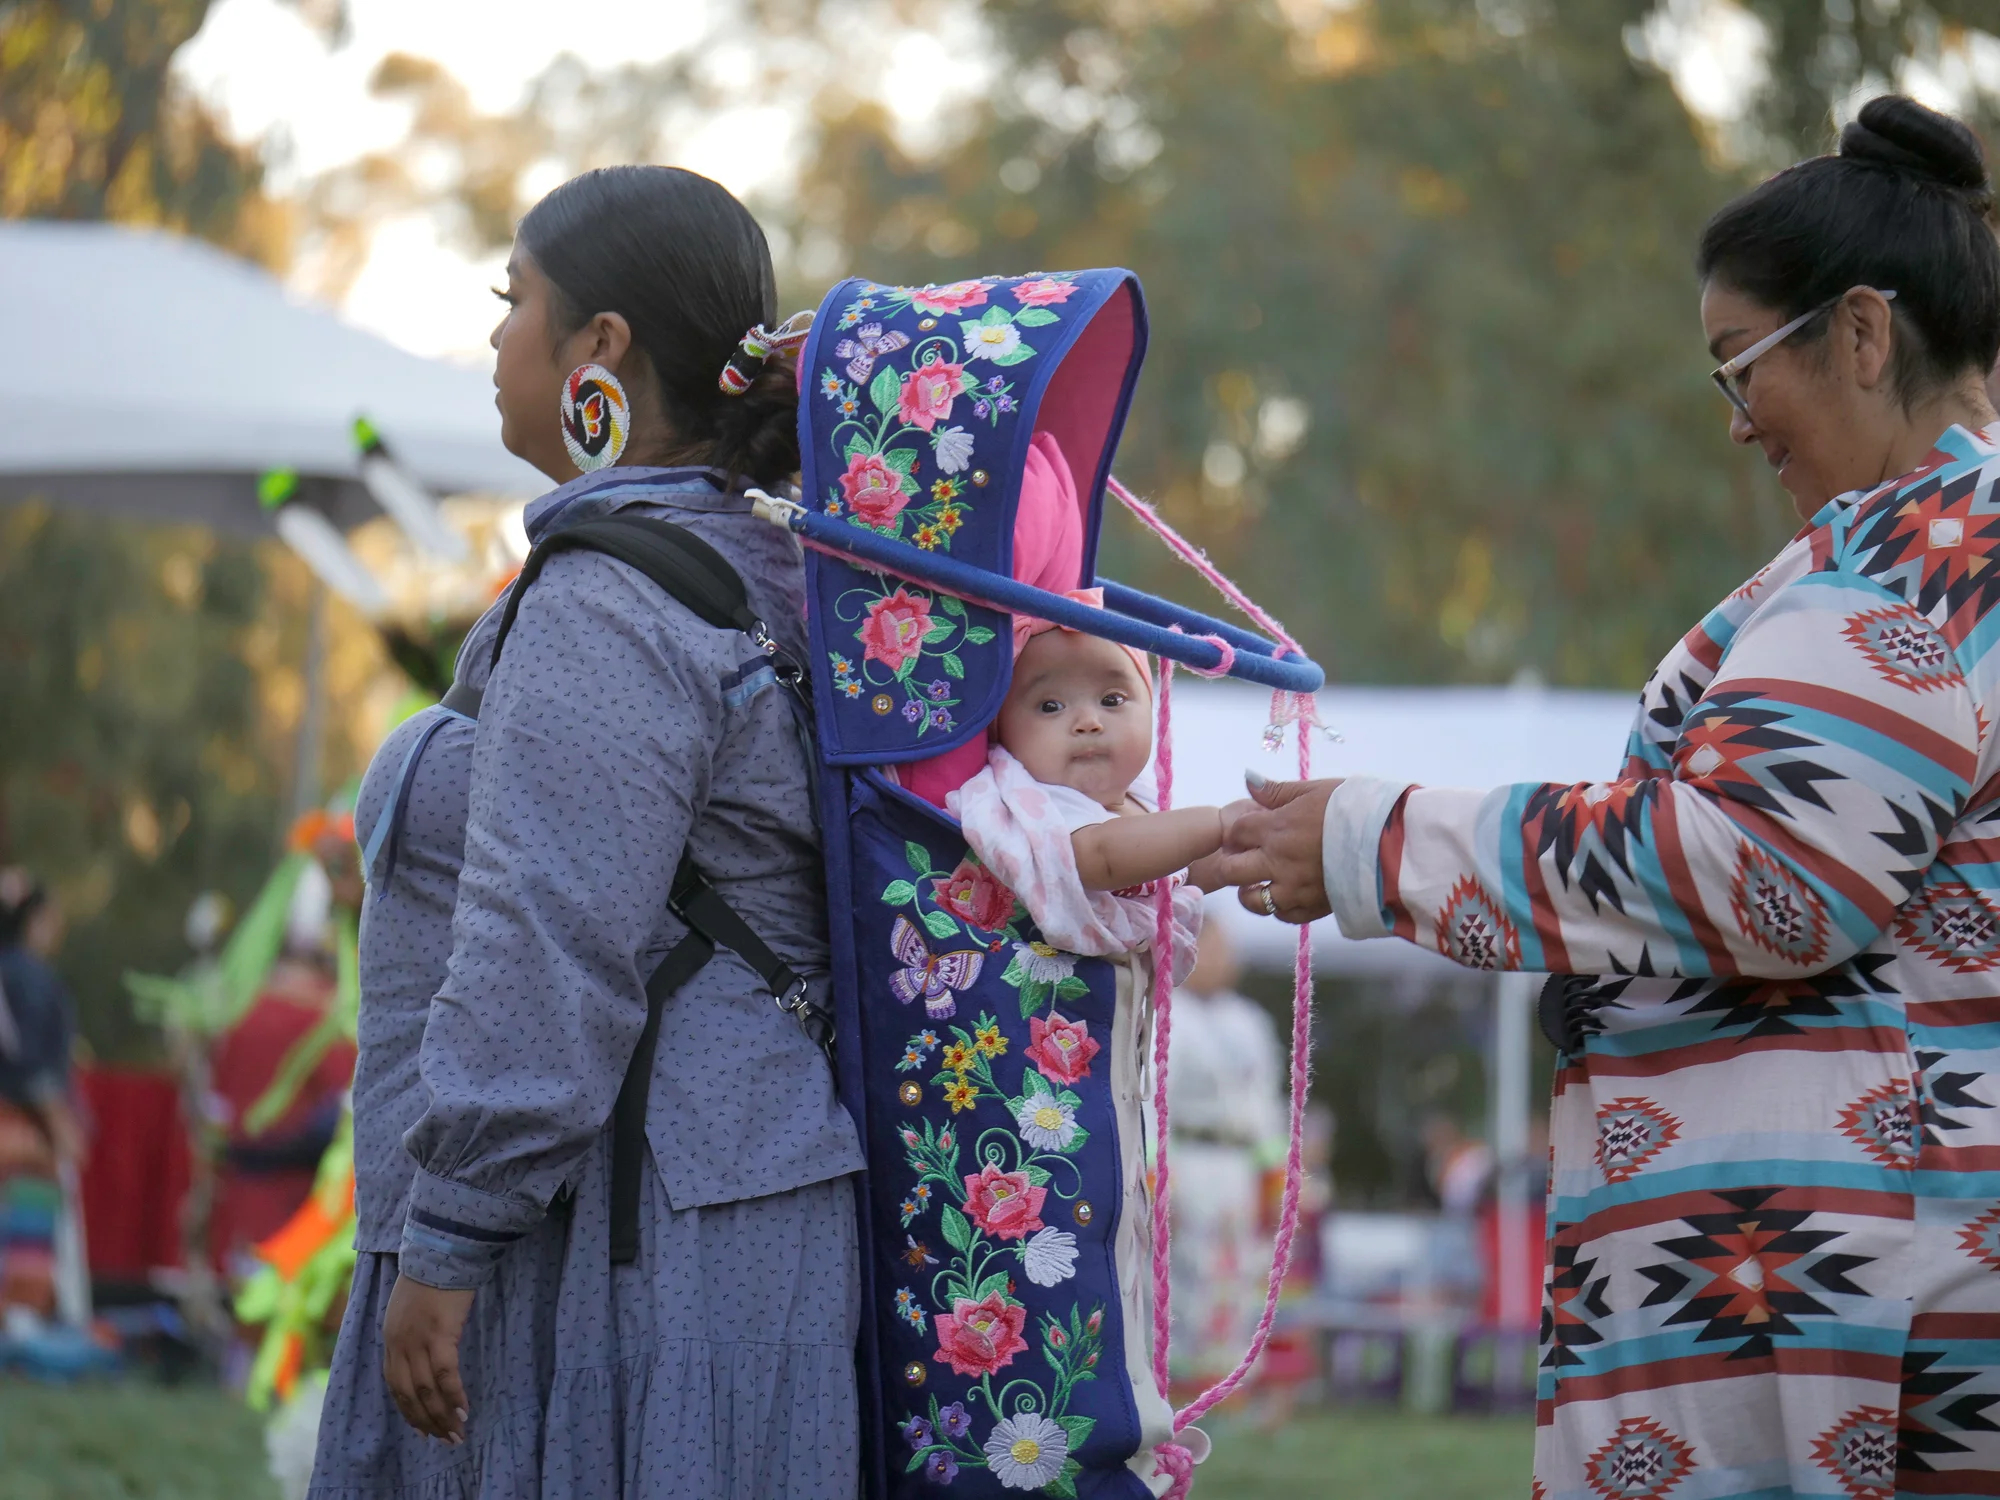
x=93, y=125
x=1425, y=368
x=139, y=761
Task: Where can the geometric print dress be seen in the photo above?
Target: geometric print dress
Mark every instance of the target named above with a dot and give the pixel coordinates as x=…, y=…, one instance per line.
x=1773, y=1265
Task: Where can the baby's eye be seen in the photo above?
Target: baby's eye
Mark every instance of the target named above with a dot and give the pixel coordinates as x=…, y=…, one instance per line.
x=1050, y=706
x=1114, y=700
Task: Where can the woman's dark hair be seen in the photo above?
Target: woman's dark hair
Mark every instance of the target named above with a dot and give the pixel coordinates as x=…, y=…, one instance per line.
x=684, y=263
x=1906, y=206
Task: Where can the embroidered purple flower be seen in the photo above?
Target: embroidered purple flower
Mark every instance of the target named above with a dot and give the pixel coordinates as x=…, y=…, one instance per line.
x=982, y=408
x=938, y=690
x=917, y=1432
x=941, y=1467
x=954, y=1421
x=1003, y=404
x=913, y=710
x=940, y=717
x=995, y=385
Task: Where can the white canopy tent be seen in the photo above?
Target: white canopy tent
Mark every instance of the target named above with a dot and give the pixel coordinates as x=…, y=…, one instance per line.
x=1460, y=736
x=157, y=376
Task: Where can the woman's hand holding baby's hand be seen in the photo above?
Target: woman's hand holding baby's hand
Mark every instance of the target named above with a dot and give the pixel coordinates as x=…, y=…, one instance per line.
x=1271, y=852
x=1205, y=872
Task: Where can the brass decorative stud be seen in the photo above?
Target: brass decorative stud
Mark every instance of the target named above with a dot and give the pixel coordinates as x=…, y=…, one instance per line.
x=926, y=324
x=913, y=1372
x=882, y=703
x=1083, y=1213
x=911, y=1092
x=979, y=477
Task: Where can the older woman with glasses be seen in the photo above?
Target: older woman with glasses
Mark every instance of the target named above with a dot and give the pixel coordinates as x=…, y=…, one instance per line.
x=1774, y=1251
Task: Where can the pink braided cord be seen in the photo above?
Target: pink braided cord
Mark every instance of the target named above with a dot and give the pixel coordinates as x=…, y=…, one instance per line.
x=1173, y=1458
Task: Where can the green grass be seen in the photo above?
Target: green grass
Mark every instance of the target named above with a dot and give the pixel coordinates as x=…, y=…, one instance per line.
x=117, y=1442
x=1369, y=1455
x=128, y=1442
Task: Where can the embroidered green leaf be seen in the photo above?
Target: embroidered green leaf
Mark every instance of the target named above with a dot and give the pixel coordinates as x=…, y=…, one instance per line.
x=916, y=1460
x=910, y=485
x=996, y=314
x=1035, y=317
x=940, y=925
x=855, y=444
x=1033, y=1085
x=997, y=1282
x=957, y=1231
x=1078, y=1428
x=1014, y=974
x=1015, y=355
x=902, y=460
x=884, y=390
x=1034, y=995
x=1063, y=1486
x=953, y=667
x=918, y=856
x=977, y=635
x=952, y=606
x=1072, y=988
x=939, y=630
x=1076, y=1142
x=1037, y=1176
x=899, y=893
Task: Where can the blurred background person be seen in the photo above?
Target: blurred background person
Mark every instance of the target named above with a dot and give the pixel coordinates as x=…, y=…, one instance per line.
x=41, y=1136
x=1226, y=1112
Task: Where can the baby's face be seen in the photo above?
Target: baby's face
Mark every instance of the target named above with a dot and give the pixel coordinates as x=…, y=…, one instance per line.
x=1079, y=715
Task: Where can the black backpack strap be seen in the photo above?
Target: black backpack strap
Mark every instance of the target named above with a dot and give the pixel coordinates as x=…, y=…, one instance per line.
x=712, y=923
x=673, y=557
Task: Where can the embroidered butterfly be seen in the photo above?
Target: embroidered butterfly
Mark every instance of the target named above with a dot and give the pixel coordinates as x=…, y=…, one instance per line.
x=869, y=344
x=931, y=975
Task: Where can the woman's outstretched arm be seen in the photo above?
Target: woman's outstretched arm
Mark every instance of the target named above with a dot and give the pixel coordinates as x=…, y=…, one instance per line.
x=1810, y=786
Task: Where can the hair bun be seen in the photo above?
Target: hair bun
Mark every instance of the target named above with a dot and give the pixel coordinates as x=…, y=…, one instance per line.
x=1896, y=131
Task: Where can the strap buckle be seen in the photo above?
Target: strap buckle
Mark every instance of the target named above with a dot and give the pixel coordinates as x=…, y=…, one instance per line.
x=795, y=1000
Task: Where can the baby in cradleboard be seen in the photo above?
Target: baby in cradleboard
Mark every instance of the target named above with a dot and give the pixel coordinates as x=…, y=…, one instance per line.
x=1064, y=815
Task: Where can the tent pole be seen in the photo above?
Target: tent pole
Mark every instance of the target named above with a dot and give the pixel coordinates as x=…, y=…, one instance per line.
x=312, y=718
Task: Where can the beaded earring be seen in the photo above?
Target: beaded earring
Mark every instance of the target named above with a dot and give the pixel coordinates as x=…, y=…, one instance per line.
x=595, y=414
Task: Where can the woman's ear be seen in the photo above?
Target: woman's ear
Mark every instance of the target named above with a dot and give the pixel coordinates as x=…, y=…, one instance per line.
x=605, y=340
x=1869, y=332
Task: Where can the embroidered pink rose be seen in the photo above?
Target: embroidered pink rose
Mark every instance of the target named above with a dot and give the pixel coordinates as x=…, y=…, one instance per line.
x=927, y=393
x=948, y=299
x=874, y=491
x=972, y=892
x=1060, y=1050
x=1004, y=1204
x=977, y=1338
x=895, y=629
x=1042, y=291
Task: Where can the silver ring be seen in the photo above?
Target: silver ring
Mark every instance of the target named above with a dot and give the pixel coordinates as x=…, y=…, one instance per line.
x=1270, y=901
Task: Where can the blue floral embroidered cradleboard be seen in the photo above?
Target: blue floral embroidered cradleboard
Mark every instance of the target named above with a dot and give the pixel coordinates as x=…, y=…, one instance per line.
x=997, y=1082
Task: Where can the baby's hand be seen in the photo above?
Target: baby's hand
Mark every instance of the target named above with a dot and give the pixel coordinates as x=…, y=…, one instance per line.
x=1232, y=813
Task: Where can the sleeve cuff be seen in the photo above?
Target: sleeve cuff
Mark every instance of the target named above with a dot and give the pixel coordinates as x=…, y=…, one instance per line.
x=1350, y=857
x=453, y=1235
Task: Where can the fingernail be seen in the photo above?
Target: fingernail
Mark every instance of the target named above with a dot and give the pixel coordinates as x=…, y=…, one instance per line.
x=1256, y=780
x=461, y=1413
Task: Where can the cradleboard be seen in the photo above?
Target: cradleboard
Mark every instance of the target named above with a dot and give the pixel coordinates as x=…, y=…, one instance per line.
x=1005, y=1342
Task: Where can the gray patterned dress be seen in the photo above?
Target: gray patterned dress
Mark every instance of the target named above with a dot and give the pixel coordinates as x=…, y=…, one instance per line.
x=518, y=875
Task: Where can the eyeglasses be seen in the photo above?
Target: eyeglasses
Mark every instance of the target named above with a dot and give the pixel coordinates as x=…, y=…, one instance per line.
x=1728, y=376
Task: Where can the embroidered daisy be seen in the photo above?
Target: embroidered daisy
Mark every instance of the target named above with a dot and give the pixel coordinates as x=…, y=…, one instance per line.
x=1045, y=1122
x=1044, y=964
x=1026, y=1451
x=990, y=340
x=952, y=447
x=1049, y=1257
